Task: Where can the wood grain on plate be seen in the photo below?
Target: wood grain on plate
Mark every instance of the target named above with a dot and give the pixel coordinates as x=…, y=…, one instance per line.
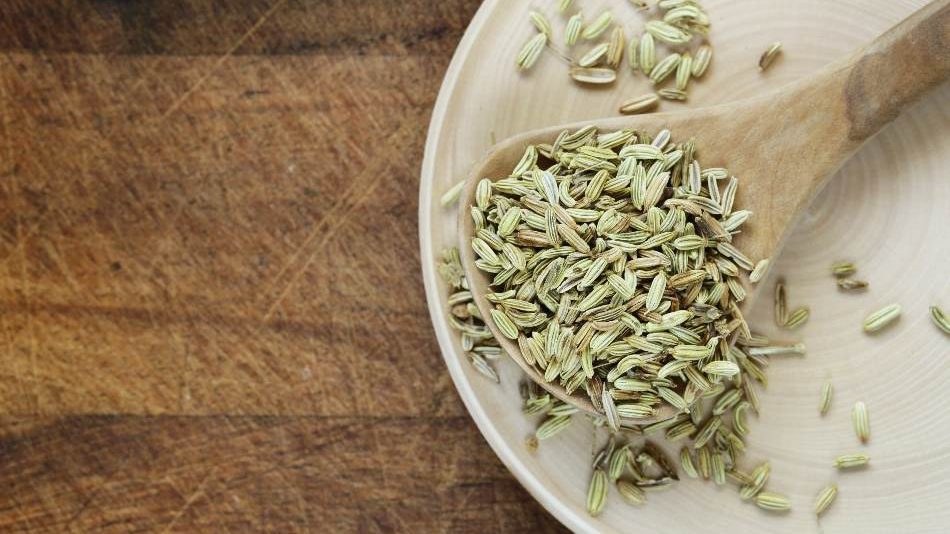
x=210, y=305
x=888, y=209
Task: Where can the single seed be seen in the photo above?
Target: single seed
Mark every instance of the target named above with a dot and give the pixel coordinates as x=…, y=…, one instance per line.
x=775, y=502
x=504, y=323
x=639, y=104
x=826, y=394
x=655, y=293
x=738, y=415
x=686, y=462
x=850, y=284
x=843, y=268
x=598, y=26
x=707, y=432
x=781, y=313
x=668, y=33
x=738, y=477
x=552, y=426
x=717, y=468
x=647, y=54
x=594, y=56
x=615, y=48
x=633, y=53
x=683, y=71
x=769, y=55
x=882, y=318
x=798, y=348
x=797, y=318
x=631, y=493
x=540, y=22
x=664, y=68
x=862, y=425
x=573, y=29
x=825, y=497
x=452, y=195
x=760, y=270
x=701, y=60
x=848, y=461
x=617, y=463
x=721, y=368
x=563, y=5
x=597, y=492
x=594, y=75
x=672, y=94
x=759, y=475
x=531, y=51
x=940, y=319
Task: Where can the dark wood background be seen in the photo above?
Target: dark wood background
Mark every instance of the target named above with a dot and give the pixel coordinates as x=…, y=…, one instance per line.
x=211, y=309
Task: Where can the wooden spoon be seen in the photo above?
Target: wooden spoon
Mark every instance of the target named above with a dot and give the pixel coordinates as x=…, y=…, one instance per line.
x=783, y=145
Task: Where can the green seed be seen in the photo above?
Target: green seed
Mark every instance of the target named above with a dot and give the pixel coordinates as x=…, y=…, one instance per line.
x=940, y=319
x=825, y=497
x=862, y=425
x=882, y=318
x=848, y=461
x=775, y=502
x=597, y=492
x=826, y=394
x=631, y=493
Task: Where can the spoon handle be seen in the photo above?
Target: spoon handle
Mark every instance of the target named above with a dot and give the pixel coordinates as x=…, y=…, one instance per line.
x=816, y=124
x=896, y=69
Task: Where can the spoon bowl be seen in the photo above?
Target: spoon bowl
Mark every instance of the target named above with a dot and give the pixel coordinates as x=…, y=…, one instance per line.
x=784, y=146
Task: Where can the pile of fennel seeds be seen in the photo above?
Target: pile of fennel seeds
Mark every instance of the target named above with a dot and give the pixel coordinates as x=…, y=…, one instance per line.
x=612, y=265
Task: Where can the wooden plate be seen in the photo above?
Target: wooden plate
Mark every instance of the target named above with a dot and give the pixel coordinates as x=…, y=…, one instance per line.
x=888, y=210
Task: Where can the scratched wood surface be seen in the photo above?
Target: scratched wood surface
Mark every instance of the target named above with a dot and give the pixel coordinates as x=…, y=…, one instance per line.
x=211, y=312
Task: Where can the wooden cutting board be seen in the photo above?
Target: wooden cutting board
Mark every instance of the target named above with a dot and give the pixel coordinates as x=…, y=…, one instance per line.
x=210, y=302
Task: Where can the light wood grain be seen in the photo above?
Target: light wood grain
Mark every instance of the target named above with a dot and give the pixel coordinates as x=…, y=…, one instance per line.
x=208, y=259
x=886, y=209
x=785, y=145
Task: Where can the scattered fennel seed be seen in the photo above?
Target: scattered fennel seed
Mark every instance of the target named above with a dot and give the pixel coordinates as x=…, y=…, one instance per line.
x=631, y=493
x=672, y=94
x=848, y=461
x=594, y=56
x=769, y=55
x=540, y=22
x=640, y=104
x=882, y=318
x=843, y=269
x=780, y=304
x=862, y=425
x=594, y=76
x=775, y=502
x=940, y=319
x=760, y=270
x=826, y=394
x=531, y=51
x=552, y=426
x=850, y=284
x=597, y=27
x=825, y=497
x=797, y=318
x=452, y=195
x=573, y=29
x=798, y=348
x=701, y=60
